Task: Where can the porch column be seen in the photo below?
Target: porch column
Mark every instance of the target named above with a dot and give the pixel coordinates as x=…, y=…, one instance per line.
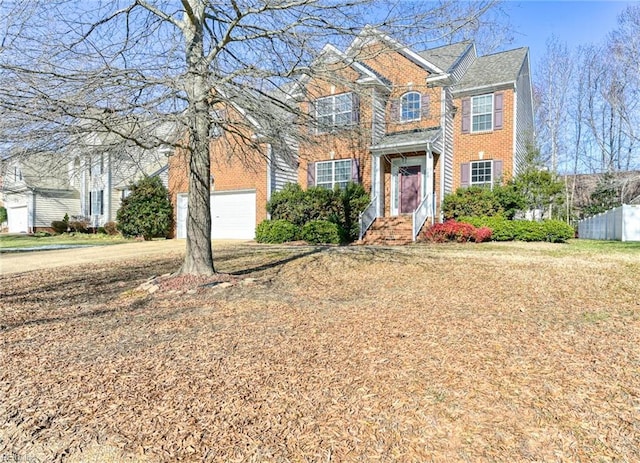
x=430, y=179
x=378, y=185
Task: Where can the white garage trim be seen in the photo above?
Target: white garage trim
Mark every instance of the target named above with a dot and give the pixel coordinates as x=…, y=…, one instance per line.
x=233, y=214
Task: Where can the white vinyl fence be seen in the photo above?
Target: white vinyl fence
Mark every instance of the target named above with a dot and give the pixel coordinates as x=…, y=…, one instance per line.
x=621, y=223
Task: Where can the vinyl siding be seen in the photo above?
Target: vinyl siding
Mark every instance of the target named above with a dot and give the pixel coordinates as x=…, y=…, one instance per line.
x=524, y=116
x=284, y=168
x=447, y=144
x=54, y=205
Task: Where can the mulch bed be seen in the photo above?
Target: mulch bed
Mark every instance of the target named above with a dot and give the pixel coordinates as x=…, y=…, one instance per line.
x=422, y=353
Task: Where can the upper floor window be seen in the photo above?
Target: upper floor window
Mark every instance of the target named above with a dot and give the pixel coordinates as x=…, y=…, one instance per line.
x=410, y=106
x=336, y=111
x=482, y=113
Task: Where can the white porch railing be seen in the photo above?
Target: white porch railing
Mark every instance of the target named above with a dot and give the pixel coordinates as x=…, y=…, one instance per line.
x=368, y=216
x=422, y=213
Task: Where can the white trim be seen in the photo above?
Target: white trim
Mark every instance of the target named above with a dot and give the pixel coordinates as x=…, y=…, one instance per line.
x=395, y=167
x=477, y=161
x=491, y=112
x=400, y=100
x=369, y=32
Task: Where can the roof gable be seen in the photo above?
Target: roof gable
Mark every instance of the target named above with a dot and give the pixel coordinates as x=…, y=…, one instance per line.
x=493, y=70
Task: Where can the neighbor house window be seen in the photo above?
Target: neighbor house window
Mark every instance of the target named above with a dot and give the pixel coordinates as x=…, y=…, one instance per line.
x=330, y=174
x=96, y=202
x=336, y=111
x=482, y=113
x=481, y=173
x=410, y=106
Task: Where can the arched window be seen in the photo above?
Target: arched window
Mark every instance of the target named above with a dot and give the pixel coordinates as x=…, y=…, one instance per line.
x=410, y=107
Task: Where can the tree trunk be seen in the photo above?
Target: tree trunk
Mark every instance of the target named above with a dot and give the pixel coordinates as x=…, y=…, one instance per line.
x=198, y=259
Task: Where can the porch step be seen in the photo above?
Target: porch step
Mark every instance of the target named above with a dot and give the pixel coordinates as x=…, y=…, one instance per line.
x=390, y=231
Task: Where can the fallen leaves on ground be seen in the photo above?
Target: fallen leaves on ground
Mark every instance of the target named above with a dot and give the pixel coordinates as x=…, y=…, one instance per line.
x=421, y=353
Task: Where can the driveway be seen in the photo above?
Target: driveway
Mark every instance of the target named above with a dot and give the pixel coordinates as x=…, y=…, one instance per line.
x=38, y=260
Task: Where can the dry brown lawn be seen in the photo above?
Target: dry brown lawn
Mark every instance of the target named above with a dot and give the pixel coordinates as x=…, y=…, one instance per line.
x=445, y=353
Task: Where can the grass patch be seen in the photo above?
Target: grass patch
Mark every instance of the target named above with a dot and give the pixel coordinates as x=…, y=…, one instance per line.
x=29, y=241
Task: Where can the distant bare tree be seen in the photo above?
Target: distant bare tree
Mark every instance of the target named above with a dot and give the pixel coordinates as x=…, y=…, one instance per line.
x=72, y=66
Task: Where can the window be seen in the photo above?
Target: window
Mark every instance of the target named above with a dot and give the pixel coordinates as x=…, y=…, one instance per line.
x=482, y=113
x=481, y=173
x=336, y=111
x=330, y=174
x=410, y=107
x=96, y=202
x=97, y=166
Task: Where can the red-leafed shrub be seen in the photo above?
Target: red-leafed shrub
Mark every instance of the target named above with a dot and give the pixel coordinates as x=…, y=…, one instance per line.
x=483, y=234
x=459, y=232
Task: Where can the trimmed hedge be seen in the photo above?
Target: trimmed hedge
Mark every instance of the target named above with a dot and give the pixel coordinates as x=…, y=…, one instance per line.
x=276, y=231
x=552, y=231
x=321, y=232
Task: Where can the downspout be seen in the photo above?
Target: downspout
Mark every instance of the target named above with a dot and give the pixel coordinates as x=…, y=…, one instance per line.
x=269, y=175
x=109, y=190
x=443, y=155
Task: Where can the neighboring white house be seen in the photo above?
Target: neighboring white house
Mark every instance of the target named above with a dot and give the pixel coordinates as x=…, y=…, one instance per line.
x=90, y=181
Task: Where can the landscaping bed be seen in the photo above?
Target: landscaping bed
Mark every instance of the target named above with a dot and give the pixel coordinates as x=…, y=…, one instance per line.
x=475, y=352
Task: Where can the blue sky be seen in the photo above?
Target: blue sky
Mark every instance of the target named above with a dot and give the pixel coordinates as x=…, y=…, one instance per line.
x=573, y=22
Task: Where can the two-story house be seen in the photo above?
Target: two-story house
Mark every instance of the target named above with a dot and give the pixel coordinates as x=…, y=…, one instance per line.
x=411, y=126
x=89, y=180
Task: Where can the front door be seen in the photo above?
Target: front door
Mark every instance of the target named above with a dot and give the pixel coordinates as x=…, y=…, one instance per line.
x=410, y=178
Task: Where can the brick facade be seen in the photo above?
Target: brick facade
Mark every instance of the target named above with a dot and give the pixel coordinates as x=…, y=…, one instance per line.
x=380, y=73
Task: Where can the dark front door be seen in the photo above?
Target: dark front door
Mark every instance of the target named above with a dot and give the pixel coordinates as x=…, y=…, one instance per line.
x=410, y=183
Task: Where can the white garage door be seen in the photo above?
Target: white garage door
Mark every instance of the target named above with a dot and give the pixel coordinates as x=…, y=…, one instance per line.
x=18, y=219
x=233, y=215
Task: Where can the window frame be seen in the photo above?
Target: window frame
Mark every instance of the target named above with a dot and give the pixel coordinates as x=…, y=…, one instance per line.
x=417, y=110
x=96, y=201
x=332, y=183
x=484, y=183
x=333, y=113
x=489, y=113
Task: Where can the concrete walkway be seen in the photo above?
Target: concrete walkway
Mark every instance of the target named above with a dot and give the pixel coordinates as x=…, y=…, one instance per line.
x=38, y=260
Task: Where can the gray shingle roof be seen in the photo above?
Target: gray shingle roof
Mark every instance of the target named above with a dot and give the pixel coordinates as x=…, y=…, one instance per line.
x=446, y=56
x=493, y=69
x=407, y=138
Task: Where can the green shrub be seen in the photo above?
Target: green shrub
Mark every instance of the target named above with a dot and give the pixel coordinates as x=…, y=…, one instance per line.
x=276, y=231
x=102, y=231
x=147, y=211
x=471, y=202
x=321, y=232
x=41, y=234
x=353, y=200
x=553, y=231
x=59, y=226
x=340, y=206
x=3, y=214
x=557, y=231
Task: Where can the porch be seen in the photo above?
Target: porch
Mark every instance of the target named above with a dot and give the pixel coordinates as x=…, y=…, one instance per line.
x=403, y=192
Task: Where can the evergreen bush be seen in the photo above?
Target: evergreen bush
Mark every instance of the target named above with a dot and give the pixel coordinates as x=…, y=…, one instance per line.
x=321, y=232
x=147, y=211
x=276, y=231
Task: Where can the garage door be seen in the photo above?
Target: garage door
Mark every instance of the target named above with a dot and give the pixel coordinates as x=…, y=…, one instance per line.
x=233, y=215
x=18, y=219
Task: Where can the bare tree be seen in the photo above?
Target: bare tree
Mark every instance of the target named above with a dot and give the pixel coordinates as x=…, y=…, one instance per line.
x=71, y=66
